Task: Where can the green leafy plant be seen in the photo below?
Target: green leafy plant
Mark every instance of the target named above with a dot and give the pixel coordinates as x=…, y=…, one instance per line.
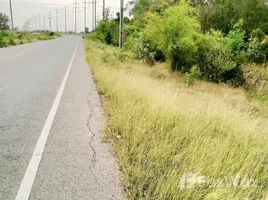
x=172, y=33
x=193, y=75
x=122, y=56
x=257, y=47
x=107, y=32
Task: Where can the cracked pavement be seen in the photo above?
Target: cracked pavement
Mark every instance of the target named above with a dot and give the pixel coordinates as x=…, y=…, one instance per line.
x=75, y=163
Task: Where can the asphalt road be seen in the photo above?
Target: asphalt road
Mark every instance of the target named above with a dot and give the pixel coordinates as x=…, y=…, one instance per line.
x=50, y=124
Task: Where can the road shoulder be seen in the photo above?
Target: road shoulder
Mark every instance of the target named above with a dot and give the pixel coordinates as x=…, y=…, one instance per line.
x=76, y=164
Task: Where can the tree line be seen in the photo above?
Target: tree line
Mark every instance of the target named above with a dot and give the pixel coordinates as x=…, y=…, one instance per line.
x=207, y=39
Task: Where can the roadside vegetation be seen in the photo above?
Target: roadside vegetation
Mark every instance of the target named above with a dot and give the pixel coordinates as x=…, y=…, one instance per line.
x=11, y=37
x=163, y=129
x=186, y=98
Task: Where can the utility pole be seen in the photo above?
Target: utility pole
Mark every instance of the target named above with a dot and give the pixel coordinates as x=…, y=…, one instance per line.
x=121, y=23
x=44, y=21
x=35, y=22
x=49, y=17
x=85, y=16
x=75, y=15
x=57, y=27
x=94, y=17
x=30, y=24
x=11, y=14
x=65, y=13
x=32, y=19
x=103, y=10
x=39, y=22
x=92, y=25
x=95, y=10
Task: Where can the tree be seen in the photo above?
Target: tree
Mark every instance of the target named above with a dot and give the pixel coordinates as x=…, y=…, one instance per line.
x=87, y=30
x=224, y=14
x=4, y=20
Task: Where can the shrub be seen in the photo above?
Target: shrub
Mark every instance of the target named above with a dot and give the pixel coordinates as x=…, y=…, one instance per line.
x=257, y=47
x=51, y=34
x=236, y=40
x=172, y=32
x=193, y=75
x=13, y=41
x=142, y=48
x=131, y=33
x=23, y=41
x=107, y=32
x=17, y=37
x=177, y=34
x=4, y=42
x=122, y=56
x=256, y=78
x=215, y=59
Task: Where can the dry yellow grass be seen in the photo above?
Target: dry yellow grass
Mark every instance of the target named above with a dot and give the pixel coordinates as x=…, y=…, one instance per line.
x=164, y=131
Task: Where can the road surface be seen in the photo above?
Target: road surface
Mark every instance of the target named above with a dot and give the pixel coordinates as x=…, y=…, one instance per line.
x=50, y=124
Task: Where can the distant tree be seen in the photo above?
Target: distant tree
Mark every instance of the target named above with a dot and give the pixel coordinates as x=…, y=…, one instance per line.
x=4, y=20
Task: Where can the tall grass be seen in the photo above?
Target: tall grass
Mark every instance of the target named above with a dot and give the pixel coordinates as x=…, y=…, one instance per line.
x=169, y=138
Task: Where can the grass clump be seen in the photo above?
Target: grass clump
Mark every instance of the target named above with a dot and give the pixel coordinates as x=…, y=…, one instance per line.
x=178, y=142
x=11, y=38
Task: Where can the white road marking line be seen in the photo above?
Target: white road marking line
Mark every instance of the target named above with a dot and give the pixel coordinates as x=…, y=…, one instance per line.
x=29, y=177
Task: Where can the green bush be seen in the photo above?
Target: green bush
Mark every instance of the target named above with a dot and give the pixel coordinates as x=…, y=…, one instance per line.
x=23, y=41
x=13, y=40
x=236, y=39
x=18, y=37
x=257, y=50
x=144, y=49
x=177, y=34
x=131, y=33
x=4, y=42
x=193, y=75
x=215, y=59
x=172, y=32
x=107, y=32
x=122, y=56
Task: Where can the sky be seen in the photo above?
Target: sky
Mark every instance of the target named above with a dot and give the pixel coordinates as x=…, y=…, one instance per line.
x=31, y=9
